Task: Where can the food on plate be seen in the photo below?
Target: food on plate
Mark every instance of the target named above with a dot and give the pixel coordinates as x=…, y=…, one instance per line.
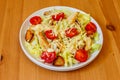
x=49, y=57
x=59, y=61
x=42, y=40
x=29, y=35
x=90, y=28
x=61, y=37
x=50, y=35
x=35, y=20
x=81, y=55
x=73, y=17
x=71, y=32
x=58, y=16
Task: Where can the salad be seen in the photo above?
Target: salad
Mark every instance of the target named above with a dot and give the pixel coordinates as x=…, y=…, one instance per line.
x=61, y=37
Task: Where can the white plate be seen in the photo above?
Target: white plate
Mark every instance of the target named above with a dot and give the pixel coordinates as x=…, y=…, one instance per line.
x=25, y=26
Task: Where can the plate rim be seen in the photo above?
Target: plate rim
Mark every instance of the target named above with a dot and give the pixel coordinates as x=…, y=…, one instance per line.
x=53, y=67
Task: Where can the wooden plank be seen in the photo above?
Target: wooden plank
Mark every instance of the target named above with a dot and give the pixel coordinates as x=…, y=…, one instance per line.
x=16, y=66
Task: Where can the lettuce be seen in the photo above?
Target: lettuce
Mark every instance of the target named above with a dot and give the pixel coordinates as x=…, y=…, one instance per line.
x=69, y=58
x=67, y=12
x=95, y=47
x=84, y=19
x=96, y=36
x=34, y=47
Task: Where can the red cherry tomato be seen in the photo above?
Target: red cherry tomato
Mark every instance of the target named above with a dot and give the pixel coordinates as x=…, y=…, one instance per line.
x=71, y=32
x=90, y=28
x=35, y=20
x=81, y=55
x=49, y=57
x=58, y=16
x=50, y=35
x=90, y=33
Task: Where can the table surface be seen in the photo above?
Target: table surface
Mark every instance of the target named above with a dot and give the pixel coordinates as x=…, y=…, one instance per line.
x=14, y=65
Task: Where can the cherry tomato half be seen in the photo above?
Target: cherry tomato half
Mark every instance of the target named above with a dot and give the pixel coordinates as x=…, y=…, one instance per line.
x=35, y=20
x=81, y=55
x=50, y=35
x=58, y=16
x=71, y=32
x=49, y=57
x=90, y=28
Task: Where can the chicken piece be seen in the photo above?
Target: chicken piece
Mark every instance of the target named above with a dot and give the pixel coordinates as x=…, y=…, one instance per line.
x=43, y=41
x=88, y=42
x=73, y=17
x=59, y=61
x=51, y=22
x=29, y=35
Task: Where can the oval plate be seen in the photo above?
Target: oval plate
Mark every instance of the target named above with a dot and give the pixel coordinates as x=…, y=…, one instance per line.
x=25, y=26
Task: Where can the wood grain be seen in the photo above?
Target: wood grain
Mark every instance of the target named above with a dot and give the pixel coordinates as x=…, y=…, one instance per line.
x=16, y=66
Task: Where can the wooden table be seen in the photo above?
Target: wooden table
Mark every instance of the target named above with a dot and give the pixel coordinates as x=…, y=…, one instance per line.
x=14, y=65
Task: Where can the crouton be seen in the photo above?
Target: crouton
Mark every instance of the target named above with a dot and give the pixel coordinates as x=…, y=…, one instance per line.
x=29, y=35
x=46, y=13
x=59, y=61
